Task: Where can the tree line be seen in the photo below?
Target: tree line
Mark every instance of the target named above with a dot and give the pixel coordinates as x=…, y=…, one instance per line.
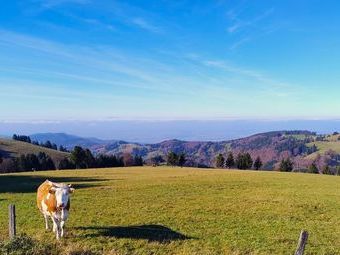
x=27, y=162
x=79, y=158
x=242, y=161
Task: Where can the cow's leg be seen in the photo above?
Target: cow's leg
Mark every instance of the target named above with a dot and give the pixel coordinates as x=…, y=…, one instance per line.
x=63, y=216
x=62, y=224
x=46, y=221
x=56, y=227
x=54, y=224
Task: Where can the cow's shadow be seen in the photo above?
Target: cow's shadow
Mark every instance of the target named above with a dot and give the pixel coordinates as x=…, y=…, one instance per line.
x=29, y=183
x=151, y=233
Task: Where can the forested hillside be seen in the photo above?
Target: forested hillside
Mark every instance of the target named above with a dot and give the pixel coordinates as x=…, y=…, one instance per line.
x=304, y=148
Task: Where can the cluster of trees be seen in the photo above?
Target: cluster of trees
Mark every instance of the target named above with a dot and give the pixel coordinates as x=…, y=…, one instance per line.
x=286, y=165
x=28, y=162
x=79, y=159
x=47, y=144
x=83, y=158
x=326, y=169
x=242, y=161
x=22, y=138
x=174, y=159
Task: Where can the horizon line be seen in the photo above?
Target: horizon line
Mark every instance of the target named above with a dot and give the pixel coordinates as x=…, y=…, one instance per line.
x=46, y=121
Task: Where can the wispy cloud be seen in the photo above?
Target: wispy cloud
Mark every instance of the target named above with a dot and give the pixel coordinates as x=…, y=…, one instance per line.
x=239, y=24
x=71, y=72
x=268, y=84
x=48, y=4
x=142, y=23
x=240, y=42
x=246, y=29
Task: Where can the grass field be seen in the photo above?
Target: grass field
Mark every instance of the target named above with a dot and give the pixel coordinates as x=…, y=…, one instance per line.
x=184, y=211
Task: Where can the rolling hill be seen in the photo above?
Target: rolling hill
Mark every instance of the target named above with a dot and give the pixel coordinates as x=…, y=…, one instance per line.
x=10, y=148
x=271, y=147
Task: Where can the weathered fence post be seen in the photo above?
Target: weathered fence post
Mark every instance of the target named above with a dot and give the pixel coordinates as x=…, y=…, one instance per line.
x=11, y=222
x=302, y=243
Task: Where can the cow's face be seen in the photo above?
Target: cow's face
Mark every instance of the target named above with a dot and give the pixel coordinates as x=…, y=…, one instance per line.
x=62, y=195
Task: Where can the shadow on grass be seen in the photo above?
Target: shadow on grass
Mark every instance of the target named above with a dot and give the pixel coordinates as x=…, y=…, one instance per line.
x=152, y=233
x=29, y=184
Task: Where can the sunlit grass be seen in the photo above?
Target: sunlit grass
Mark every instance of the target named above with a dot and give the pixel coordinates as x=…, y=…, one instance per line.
x=166, y=210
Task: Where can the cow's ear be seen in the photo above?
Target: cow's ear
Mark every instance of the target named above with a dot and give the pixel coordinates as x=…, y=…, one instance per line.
x=52, y=190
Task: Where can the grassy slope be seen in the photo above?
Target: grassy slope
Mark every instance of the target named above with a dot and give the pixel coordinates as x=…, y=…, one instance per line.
x=12, y=148
x=221, y=212
x=331, y=143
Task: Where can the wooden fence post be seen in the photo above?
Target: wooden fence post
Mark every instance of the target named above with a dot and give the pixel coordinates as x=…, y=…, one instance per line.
x=11, y=222
x=302, y=243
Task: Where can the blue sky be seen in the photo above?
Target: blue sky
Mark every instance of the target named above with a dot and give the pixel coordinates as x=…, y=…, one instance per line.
x=169, y=60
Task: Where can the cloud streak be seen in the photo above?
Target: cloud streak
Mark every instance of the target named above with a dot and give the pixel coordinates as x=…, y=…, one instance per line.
x=49, y=4
x=142, y=23
x=239, y=24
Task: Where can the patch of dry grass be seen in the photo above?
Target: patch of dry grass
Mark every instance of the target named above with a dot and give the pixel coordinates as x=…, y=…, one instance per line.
x=12, y=148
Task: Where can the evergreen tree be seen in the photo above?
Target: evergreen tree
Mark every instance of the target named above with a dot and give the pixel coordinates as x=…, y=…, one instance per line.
x=107, y=161
x=257, y=163
x=89, y=159
x=286, y=165
x=138, y=161
x=244, y=161
x=54, y=146
x=48, y=144
x=46, y=163
x=66, y=164
x=78, y=157
x=220, y=161
x=172, y=159
x=181, y=160
x=230, y=162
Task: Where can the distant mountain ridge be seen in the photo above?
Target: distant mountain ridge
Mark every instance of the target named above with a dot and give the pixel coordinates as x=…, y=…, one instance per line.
x=69, y=141
x=271, y=147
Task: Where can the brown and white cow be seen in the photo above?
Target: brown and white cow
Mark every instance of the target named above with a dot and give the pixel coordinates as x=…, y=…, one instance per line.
x=53, y=200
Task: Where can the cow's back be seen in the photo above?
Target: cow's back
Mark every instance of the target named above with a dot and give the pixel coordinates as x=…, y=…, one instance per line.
x=43, y=192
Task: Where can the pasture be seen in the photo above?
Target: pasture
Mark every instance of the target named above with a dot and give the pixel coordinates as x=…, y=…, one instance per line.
x=163, y=210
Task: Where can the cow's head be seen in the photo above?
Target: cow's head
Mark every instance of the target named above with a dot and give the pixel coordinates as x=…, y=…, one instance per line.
x=62, y=194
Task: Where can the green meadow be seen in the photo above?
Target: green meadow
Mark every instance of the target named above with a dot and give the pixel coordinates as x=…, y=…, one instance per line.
x=164, y=210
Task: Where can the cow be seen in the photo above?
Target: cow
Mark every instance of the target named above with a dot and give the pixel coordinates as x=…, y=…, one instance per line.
x=53, y=200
